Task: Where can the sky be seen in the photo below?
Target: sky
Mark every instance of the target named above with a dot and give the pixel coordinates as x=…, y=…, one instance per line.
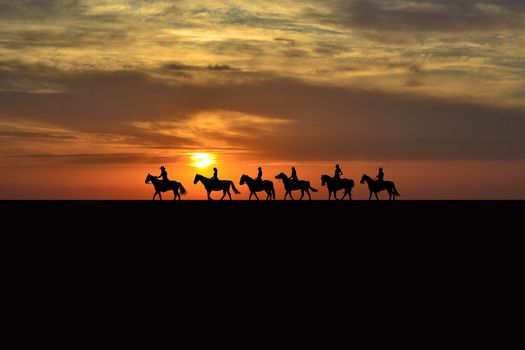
x=94, y=95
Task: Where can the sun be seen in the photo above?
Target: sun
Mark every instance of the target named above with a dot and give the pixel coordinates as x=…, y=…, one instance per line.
x=201, y=160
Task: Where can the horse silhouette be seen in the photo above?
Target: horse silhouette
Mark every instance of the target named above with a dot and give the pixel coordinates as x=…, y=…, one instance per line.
x=336, y=185
x=258, y=186
x=216, y=185
x=163, y=186
x=378, y=186
x=290, y=185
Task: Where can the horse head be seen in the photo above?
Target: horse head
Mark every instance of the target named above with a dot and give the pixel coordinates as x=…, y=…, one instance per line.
x=197, y=178
x=243, y=179
x=324, y=179
x=148, y=178
x=281, y=176
x=364, y=178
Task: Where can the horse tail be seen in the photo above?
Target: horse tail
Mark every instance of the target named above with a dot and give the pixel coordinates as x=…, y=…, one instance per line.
x=234, y=189
x=182, y=189
x=395, y=191
x=313, y=189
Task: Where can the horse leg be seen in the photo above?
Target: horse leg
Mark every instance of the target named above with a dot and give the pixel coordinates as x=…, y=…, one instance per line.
x=223, y=194
x=344, y=195
x=175, y=193
x=250, y=197
x=209, y=197
x=229, y=194
x=375, y=193
x=302, y=195
x=154, y=195
x=335, y=195
x=290, y=193
x=370, y=197
x=329, y=194
x=308, y=193
x=160, y=196
x=255, y=194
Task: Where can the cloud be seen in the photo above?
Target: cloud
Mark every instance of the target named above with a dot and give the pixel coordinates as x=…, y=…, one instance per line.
x=425, y=15
x=185, y=67
x=37, y=9
x=93, y=158
x=305, y=121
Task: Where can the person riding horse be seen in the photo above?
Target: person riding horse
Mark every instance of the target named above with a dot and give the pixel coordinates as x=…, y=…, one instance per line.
x=338, y=173
x=163, y=174
x=293, y=177
x=380, y=176
x=215, y=176
x=259, y=175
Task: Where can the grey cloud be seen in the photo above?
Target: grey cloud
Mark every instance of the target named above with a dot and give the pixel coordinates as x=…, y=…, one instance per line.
x=219, y=67
x=425, y=15
x=332, y=123
x=78, y=36
x=237, y=16
x=285, y=40
x=237, y=47
x=38, y=9
x=33, y=134
x=185, y=67
x=296, y=53
x=94, y=158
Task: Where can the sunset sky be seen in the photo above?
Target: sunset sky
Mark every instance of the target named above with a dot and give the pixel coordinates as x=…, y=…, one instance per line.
x=94, y=95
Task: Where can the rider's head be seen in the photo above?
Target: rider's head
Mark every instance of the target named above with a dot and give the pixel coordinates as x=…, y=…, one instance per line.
x=260, y=168
x=214, y=169
x=380, y=169
x=293, y=168
x=162, y=168
x=337, y=165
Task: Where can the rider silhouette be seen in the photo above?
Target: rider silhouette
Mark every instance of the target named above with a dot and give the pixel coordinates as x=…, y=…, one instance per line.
x=338, y=173
x=294, y=175
x=259, y=175
x=163, y=174
x=380, y=175
x=215, y=177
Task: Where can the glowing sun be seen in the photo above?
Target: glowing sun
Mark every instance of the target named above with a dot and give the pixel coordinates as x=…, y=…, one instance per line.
x=201, y=160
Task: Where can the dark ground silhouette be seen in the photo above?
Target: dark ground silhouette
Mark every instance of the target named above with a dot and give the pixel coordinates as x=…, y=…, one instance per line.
x=354, y=218
x=421, y=260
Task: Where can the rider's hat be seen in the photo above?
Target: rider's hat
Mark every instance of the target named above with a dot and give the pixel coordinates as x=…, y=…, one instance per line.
x=337, y=165
x=162, y=168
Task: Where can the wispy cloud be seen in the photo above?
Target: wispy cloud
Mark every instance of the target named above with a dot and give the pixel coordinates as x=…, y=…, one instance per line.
x=315, y=78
